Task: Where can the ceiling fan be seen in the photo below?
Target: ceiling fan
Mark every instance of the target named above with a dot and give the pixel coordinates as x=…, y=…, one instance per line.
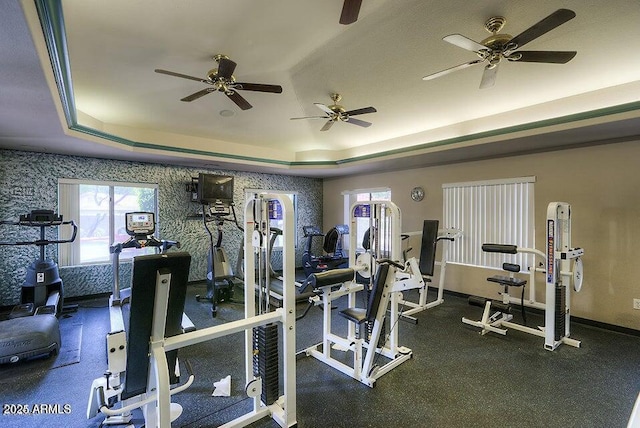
x=497, y=47
x=350, y=11
x=335, y=112
x=221, y=79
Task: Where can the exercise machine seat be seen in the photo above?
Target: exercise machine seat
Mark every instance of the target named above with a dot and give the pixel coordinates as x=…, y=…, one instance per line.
x=507, y=280
x=360, y=315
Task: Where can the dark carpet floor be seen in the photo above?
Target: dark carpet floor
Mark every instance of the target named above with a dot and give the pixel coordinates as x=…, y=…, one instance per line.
x=456, y=378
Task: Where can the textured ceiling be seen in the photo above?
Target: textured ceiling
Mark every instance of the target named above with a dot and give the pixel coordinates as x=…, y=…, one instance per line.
x=120, y=108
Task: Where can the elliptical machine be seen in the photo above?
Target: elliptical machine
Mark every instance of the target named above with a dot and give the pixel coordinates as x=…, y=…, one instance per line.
x=220, y=277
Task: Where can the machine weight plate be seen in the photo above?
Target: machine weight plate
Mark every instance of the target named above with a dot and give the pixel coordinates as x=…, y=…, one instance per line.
x=365, y=260
x=577, y=274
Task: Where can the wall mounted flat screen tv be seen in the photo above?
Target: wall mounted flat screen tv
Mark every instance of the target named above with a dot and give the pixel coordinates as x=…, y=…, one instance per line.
x=215, y=189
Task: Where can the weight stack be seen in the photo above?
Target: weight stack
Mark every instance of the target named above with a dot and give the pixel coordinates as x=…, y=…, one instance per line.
x=265, y=360
x=383, y=334
x=560, y=318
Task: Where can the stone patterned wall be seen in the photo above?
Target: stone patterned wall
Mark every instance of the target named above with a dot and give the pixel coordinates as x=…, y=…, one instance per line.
x=30, y=181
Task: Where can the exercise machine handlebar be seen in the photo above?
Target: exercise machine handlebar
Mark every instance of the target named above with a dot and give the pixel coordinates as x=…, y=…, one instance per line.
x=43, y=241
x=390, y=262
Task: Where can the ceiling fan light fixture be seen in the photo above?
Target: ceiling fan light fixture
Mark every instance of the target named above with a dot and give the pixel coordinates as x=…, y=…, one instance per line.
x=495, y=24
x=498, y=46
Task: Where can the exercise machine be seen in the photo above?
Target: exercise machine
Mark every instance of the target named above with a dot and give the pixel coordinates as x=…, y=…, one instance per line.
x=562, y=266
x=32, y=328
x=221, y=279
x=157, y=297
x=266, y=333
x=332, y=245
x=430, y=237
x=372, y=341
x=141, y=227
x=43, y=289
x=276, y=279
x=215, y=194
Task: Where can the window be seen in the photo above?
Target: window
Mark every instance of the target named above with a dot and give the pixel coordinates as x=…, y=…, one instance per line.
x=496, y=211
x=98, y=208
x=279, y=223
x=362, y=224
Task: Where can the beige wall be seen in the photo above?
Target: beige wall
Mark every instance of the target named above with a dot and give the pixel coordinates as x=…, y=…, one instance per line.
x=602, y=184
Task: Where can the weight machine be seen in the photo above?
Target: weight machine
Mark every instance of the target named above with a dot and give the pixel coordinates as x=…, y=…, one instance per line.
x=559, y=274
x=141, y=227
x=263, y=332
x=430, y=237
x=388, y=278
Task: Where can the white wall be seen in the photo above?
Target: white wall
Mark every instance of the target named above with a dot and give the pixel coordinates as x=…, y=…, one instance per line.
x=602, y=184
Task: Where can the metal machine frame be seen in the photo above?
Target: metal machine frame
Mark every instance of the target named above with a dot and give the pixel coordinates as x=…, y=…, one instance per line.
x=385, y=226
x=156, y=402
x=423, y=304
x=558, y=273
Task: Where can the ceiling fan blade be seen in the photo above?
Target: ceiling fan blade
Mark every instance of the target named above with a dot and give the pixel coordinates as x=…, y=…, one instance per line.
x=552, y=21
x=554, y=57
x=489, y=76
x=184, y=76
x=350, y=11
x=259, y=87
x=325, y=109
x=197, y=95
x=452, y=69
x=309, y=117
x=464, y=42
x=239, y=100
x=358, y=122
x=226, y=67
x=364, y=110
x=327, y=125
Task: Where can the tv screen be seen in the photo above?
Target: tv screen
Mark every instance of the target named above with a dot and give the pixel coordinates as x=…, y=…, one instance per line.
x=213, y=189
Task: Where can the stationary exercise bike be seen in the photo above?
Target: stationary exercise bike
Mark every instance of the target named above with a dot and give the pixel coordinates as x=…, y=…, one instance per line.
x=32, y=328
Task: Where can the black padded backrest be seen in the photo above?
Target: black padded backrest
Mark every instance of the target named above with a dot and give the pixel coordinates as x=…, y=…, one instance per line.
x=366, y=240
x=376, y=292
x=143, y=292
x=331, y=241
x=428, y=247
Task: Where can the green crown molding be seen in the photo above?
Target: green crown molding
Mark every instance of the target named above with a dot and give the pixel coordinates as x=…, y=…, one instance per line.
x=53, y=28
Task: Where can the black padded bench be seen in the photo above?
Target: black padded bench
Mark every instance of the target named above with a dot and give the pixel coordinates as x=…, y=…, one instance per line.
x=360, y=315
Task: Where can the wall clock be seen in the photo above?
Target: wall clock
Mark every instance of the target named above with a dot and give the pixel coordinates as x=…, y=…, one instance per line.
x=417, y=194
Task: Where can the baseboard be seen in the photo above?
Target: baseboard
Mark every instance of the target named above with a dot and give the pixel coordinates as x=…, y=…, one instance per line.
x=579, y=320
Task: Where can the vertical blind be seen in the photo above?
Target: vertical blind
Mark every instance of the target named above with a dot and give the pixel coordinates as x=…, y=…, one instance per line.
x=495, y=211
